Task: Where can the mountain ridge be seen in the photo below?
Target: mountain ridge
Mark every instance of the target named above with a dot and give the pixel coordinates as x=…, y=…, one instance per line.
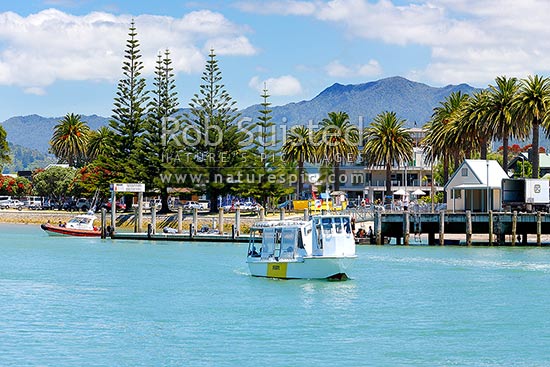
x=410, y=100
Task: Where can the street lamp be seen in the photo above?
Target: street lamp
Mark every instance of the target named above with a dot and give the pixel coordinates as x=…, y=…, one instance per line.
x=522, y=164
x=432, y=173
x=488, y=193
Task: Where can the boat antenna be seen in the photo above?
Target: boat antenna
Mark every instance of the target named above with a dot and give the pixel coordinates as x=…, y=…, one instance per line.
x=94, y=201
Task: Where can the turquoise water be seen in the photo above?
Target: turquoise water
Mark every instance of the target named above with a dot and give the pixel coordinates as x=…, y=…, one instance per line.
x=88, y=302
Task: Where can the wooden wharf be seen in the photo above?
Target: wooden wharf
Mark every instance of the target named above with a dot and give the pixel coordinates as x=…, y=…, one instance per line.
x=492, y=228
x=499, y=228
x=181, y=237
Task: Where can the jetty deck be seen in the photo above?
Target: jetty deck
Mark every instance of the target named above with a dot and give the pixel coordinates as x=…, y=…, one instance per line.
x=182, y=237
x=500, y=228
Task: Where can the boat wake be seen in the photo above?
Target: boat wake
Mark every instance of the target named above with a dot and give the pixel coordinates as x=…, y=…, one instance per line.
x=467, y=263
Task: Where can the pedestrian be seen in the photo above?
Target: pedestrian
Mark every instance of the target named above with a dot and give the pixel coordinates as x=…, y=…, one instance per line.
x=370, y=234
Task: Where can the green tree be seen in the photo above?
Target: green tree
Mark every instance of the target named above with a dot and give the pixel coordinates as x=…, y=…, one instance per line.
x=338, y=141
x=53, y=182
x=532, y=105
x=99, y=143
x=212, y=134
x=473, y=129
x=157, y=145
x=271, y=174
x=387, y=142
x=4, y=149
x=501, y=115
x=299, y=146
x=130, y=102
x=69, y=140
x=442, y=130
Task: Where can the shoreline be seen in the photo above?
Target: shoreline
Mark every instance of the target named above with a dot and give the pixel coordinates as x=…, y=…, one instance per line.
x=126, y=221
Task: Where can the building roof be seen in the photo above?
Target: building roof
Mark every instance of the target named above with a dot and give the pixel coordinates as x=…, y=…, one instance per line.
x=544, y=160
x=483, y=173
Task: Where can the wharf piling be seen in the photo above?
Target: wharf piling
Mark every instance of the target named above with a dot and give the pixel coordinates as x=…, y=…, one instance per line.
x=501, y=228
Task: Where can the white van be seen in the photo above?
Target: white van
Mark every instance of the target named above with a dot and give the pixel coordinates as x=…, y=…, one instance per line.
x=32, y=202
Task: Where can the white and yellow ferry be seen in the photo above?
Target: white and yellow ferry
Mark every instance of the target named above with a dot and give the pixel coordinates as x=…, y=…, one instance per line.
x=321, y=248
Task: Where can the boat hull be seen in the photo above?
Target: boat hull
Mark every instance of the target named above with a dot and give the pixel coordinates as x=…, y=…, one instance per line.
x=53, y=230
x=302, y=268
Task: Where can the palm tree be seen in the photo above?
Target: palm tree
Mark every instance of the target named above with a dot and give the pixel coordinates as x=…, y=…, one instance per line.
x=442, y=131
x=387, y=142
x=338, y=142
x=299, y=147
x=69, y=139
x=501, y=115
x=473, y=130
x=532, y=106
x=99, y=142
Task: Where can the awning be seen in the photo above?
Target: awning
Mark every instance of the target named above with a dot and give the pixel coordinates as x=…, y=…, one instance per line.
x=473, y=187
x=336, y=193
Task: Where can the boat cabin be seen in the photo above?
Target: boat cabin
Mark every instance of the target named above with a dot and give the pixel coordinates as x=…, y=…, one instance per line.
x=81, y=222
x=327, y=235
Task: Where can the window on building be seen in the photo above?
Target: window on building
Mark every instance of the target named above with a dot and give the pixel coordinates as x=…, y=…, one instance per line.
x=464, y=172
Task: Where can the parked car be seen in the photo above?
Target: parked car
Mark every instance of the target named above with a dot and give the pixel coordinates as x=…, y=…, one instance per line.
x=157, y=203
x=84, y=204
x=249, y=206
x=33, y=202
x=190, y=205
x=11, y=204
x=50, y=204
x=69, y=205
x=119, y=206
x=227, y=208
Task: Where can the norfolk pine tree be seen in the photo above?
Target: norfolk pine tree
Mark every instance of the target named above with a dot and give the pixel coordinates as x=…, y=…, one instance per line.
x=157, y=145
x=212, y=135
x=271, y=174
x=128, y=116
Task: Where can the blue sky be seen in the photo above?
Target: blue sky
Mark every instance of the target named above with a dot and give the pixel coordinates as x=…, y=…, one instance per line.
x=62, y=56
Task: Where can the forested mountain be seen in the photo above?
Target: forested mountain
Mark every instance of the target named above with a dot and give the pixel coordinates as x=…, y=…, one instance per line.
x=410, y=100
x=24, y=159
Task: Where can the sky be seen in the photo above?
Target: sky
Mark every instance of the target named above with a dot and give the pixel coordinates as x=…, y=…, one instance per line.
x=65, y=56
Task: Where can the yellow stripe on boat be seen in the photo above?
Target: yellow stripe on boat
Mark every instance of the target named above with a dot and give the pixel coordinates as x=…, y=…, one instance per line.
x=277, y=270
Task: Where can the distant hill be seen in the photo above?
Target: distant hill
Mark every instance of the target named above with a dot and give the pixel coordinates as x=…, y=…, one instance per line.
x=35, y=131
x=410, y=100
x=26, y=159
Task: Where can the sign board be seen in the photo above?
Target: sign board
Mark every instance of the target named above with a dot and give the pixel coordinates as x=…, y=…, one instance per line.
x=128, y=187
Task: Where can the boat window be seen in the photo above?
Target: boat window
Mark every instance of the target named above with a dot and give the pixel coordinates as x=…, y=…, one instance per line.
x=300, y=240
x=327, y=225
x=347, y=224
x=268, y=240
x=289, y=236
x=338, y=225
x=254, y=247
x=319, y=237
x=278, y=235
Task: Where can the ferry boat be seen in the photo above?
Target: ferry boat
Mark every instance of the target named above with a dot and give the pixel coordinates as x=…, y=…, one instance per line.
x=80, y=226
x=321, y=248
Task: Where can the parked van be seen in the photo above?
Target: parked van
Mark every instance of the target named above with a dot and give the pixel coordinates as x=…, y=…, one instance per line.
x=32, y=202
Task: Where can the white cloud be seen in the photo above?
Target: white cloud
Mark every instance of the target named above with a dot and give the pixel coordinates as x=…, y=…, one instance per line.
x=338, y=70
x=468, y=40
x=286, y=85
x=51, y=45
x=286, y=7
